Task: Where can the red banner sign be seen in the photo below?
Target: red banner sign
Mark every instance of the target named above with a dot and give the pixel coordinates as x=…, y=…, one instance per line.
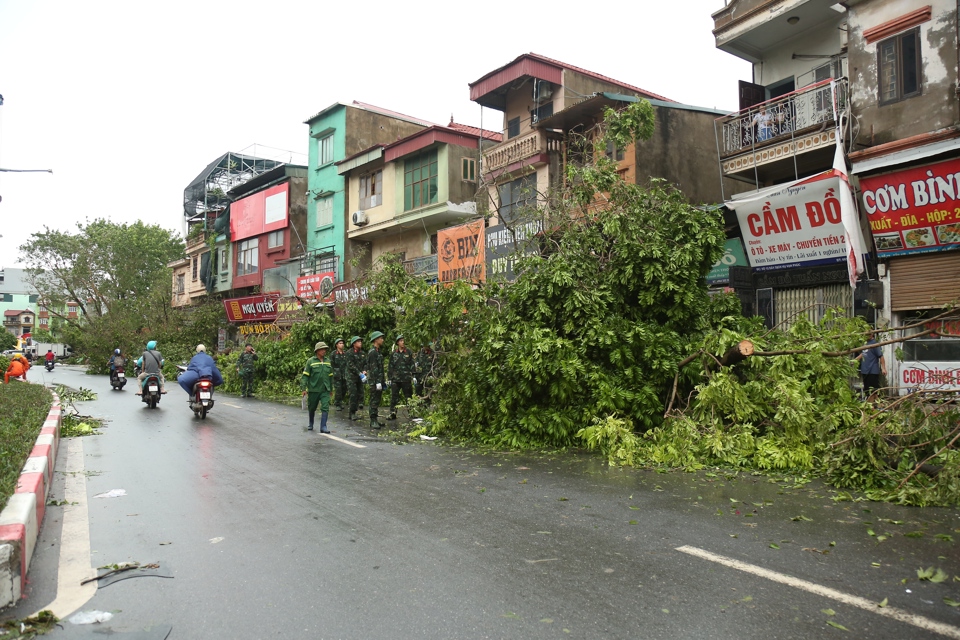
x=317, y=288
x=259, y=213
x=252, y=308
x=914, y=210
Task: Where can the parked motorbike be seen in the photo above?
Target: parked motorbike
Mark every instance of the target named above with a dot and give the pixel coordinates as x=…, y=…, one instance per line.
x=49, y=365
x=202, y=400
x=151, y=390
x=118, y=378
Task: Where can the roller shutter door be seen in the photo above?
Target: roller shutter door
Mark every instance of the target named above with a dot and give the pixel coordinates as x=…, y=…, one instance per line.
x=924, y=282
x=791, y=304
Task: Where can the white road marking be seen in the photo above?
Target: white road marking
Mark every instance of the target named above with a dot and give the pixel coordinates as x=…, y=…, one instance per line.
x=344, y=441
x=854, y=601
x=231, y=405
x=74, y=565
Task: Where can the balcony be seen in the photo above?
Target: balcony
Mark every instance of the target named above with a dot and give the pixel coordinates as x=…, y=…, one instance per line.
x=786, y=138
x=530, y=148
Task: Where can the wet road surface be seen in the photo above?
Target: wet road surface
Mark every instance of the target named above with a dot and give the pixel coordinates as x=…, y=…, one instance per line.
x=274, y=532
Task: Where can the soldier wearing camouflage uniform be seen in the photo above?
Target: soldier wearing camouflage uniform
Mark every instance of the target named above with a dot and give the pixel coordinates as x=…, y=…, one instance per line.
x=401, y=372
x=375, y=378
x=356, y=364
x=339, y=361
x=245, y=369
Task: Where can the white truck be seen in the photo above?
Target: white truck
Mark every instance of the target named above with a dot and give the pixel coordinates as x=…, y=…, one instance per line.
x=59, y=349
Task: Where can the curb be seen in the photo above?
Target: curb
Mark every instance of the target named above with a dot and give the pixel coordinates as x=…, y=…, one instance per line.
x=20, y=520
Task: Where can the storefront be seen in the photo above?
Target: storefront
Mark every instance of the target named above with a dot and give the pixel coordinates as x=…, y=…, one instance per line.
x=914, y=214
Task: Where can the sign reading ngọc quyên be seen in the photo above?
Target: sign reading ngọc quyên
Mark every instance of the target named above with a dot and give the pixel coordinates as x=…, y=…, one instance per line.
x=798, y=225
x=916, y=210
x=252, y=308
x=318, y=287
x=461, y=252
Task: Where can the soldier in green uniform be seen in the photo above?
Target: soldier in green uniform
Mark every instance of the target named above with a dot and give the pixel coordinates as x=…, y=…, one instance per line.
x=338, y=359
x=375, y=378
x=401, y=372
x=317, y=383
x=356, y=366
x=245, y=369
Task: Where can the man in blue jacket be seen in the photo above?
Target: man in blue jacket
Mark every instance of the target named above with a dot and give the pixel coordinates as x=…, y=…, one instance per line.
x=201, y=366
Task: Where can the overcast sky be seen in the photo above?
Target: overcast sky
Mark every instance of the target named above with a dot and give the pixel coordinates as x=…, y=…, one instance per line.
x=127, y=101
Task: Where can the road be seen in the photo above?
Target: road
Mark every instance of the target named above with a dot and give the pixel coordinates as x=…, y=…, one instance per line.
x=270, y=531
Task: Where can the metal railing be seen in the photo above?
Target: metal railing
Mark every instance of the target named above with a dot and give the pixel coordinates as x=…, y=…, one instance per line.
x=792, y=114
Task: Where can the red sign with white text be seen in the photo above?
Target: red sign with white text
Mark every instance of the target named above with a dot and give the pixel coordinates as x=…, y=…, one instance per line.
x=317, y=288
x=252, y=308
x=260, y=213
x=916, y=210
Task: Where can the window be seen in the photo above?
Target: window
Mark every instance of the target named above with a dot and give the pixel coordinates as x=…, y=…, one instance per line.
x=196, y=263
x=513, y=128
x=543, y=111
x=33, y=298
x=515, y=195
x=420, y=180
x=224, y=264
x=44, y=322
x=248, y=258
x=613, y=154
x=371, y=190
x=324, y=212
x=8, y=297
x=72, y=309
x=898, y=61
x=275, y=239
x=326, y=150
x=469, y=169
x=181, y=284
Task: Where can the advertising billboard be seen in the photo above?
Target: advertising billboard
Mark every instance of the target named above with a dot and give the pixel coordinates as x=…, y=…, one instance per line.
x=317, y=288
x=252, y=308
x=461, y=252
x=914, y=211
x=260, y=212
x=503, y=246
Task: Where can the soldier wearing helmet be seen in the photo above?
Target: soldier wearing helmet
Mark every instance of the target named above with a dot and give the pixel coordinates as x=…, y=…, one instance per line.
x=316, y=381
x=338, y=360
x=356, y=375
x=401, y=372
x=375, y=378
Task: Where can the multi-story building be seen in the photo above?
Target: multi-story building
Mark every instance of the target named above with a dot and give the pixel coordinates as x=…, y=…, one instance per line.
x=401, y=194
x=342, y=130
x=16, y=293
x=19, y=322
x=878, y=79
x=550, y=114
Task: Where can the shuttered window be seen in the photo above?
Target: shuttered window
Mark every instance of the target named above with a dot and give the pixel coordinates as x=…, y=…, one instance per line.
x=924, y=282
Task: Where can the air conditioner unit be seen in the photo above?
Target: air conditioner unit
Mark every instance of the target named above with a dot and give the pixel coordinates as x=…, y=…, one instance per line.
x=360, y=218
x=542, y=90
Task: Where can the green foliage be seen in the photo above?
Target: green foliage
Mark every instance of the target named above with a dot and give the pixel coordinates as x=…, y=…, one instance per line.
x=23, y=409
x=7, y=340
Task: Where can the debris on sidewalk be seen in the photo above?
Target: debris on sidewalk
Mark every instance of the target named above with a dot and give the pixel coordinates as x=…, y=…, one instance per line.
x=113, y=493
x=423, y=437
x=109, y=574
x=90, y=617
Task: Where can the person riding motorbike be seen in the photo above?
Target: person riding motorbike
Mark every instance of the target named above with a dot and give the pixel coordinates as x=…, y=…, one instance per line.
x=150, y=363
x=201, y=366
x=50, y=357
x=116, y=360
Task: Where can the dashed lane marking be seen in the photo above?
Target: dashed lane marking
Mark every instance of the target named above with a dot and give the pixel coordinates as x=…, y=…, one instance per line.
x=344, y=441
x=231, y=405
x=811, y=587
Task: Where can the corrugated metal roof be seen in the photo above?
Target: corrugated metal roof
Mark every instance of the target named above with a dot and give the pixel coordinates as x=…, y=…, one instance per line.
x=495, y=136
x=427, y=137
x=358, y=159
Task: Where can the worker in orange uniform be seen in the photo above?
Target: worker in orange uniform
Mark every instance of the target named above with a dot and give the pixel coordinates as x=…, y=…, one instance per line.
x=18, y=369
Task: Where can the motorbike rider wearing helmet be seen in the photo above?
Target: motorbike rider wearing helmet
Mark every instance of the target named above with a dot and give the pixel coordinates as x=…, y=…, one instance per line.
x=116, y=360
x=201, y=366
x=151, y=363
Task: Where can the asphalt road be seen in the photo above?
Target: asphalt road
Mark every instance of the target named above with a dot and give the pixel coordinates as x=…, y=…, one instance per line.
x=270, y=531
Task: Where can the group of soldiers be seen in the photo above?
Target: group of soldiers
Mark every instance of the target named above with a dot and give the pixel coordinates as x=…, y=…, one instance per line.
x=348, y=371
x=400, y=372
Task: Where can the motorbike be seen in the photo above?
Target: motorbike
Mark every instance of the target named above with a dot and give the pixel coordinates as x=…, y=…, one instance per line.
x=49, y=365
x=151, y=390
x=118, y=378
x=202, y=400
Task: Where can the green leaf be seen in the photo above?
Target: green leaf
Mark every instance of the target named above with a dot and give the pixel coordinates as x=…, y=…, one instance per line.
x=882, y=603
x=837, y=625
x=950, y=602
x=946, y=537
x=913, y=534
x=774, y=545
x=829, y=612
x=801, y=518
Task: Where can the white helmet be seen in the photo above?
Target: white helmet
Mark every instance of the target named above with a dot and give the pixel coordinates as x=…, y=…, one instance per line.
x=201, y=348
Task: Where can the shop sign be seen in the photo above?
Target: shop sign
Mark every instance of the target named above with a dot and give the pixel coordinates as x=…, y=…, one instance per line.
x=258, y=329
x=259, y=213
x=461, y=252
x=503, y=245
x=317, y=288
x=797, y=225
x=916, y=210
x=221, y=339
x=732, y=257
x=424, y=265
x=810, y=277
x=252, y=308
x=350, y=292
x=940, y=375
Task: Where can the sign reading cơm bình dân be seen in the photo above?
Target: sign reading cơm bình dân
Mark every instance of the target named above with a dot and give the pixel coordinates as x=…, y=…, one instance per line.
x=798, y=225
x=916, y=210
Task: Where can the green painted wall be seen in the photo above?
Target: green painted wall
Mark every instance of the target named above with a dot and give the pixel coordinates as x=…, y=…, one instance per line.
x=321, y=178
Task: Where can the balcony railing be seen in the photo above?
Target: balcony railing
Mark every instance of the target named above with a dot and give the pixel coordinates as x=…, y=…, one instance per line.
x=520, y=148
x=794, y=114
